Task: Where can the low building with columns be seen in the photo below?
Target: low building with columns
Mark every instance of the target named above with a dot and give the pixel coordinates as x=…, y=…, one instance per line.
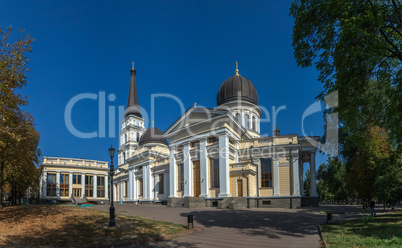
x=215, y=156
x=63, y=179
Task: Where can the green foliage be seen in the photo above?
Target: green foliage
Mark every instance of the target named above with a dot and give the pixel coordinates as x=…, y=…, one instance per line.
x=18, y=137
x=306, y=184
x=357, y=48
x=389, y=179
x=332, y=181
x=381, y=231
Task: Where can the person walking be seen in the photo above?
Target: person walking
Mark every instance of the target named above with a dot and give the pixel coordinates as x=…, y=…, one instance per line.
x=372, y=205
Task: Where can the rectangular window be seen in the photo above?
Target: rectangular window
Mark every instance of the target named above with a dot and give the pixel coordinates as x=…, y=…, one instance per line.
x=51, y=184
x=125, y=188
x=101, y=186
x=180, y=177
x=77, y=179
x=140, y=186
x=89, y=185
x=161, y=182
x=214, y=172
x=266, y=172
x=64, y=184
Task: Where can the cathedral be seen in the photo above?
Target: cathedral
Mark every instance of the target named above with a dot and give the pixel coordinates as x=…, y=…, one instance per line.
x=214, y=157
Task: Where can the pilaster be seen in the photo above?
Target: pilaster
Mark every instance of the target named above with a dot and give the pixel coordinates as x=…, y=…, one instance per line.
x=276, y=175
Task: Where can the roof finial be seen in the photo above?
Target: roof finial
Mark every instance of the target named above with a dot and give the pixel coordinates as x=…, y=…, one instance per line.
x=237, y=69
x=133, y=66
x=195, y=105
x=153, y=123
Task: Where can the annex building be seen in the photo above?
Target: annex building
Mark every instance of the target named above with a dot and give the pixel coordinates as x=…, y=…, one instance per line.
x=214, y=157
x=71, y=179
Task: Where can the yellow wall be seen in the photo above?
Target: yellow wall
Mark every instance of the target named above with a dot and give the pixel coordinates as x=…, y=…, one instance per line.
x=284, y=181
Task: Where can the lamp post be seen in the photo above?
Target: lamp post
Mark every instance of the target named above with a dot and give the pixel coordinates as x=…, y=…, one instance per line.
x=112, y=222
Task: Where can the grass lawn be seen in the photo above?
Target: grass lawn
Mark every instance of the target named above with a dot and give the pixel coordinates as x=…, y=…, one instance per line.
x=381, y=231
x=58, y=225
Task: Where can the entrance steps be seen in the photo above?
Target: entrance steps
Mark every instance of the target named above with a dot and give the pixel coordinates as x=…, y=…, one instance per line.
x=233, y=203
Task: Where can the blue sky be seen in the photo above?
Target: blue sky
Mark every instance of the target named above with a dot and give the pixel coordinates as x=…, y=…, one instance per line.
x=183, y=48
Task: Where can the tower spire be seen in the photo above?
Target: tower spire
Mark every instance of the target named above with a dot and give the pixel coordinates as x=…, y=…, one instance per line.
x=237, y=69
x=132, y=103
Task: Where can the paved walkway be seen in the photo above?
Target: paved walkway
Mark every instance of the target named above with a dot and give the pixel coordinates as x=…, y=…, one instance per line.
x=241, y=228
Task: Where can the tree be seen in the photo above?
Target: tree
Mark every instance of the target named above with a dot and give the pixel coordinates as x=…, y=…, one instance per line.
x=357, y=47
x=332, y=181
x=306, y=184
x=18, y=136
x=389, y=179
x=362, y=173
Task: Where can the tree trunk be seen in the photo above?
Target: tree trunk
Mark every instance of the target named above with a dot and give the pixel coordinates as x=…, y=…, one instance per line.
x=1, y=184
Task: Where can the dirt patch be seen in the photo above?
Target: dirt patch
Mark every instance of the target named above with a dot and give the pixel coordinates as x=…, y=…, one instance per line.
x=58, y=225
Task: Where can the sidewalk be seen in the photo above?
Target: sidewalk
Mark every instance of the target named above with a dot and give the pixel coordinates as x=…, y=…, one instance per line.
x=272, y=227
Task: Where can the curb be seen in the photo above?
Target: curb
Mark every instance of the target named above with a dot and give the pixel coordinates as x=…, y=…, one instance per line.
x=324, y=242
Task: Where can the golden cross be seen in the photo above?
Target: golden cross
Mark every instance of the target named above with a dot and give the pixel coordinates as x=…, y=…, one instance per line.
x=133, y=65
x=237, y=69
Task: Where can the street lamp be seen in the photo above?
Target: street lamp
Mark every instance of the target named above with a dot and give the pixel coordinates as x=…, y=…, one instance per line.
x=112, y=222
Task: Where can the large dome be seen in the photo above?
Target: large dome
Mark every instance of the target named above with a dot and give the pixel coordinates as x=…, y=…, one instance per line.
x=237, y=88
x=153, y=135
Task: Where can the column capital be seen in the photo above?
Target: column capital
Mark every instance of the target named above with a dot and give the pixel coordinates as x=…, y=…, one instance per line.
x=172, y=147
x=224, y=133
x=187, y=143
x=275, y=158
x=202, y=139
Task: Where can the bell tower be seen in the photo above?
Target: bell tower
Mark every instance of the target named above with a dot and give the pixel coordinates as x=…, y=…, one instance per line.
x=133, y=123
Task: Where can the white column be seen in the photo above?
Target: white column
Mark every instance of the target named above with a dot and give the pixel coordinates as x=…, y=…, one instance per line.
x=58, y=184
x=313, y=181
x=172, y=173
x=106, y=187
x=296, y=179
x=165, y=186
x=134, y=186
x=187, y=169
x=276, y=175
x=147, y=182
x=130, y=182
x=44, y=185
x=224, y=180
x=41, y=187
x=301, y=176
x=95, y=188
x=82, y=185
x=70, y=184
x=115, y=192
x=204, y=167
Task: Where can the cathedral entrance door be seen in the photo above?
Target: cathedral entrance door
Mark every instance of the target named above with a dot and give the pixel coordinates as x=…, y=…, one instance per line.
x=239, y=188
x=196, y=178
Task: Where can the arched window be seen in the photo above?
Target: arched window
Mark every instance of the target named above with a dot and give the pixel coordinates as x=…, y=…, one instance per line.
x=247, y=122
x=254, y=124
x=125, y=136
x=138, y=136
x=238, y=117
